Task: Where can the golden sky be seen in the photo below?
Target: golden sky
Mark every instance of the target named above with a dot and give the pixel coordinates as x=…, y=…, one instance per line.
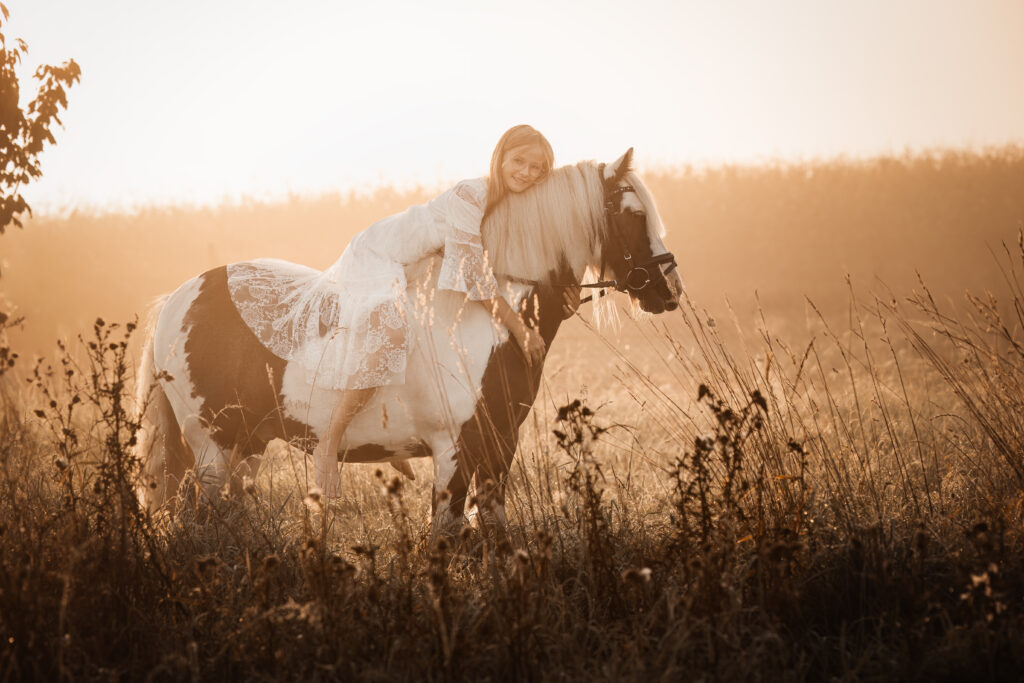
x=206, y=100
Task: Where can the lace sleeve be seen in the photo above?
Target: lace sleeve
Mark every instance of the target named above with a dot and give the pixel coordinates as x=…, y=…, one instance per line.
x=470, y=195
x=465, y=267
x=465, y=206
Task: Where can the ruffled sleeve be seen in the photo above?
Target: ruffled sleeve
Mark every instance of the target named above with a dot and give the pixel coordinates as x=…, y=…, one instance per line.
x=464, y=267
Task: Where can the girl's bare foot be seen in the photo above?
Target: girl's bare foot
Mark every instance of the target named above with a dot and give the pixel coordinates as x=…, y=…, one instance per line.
x=328, y=478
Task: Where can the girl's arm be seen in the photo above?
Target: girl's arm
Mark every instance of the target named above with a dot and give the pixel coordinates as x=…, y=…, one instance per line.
x=529, y=339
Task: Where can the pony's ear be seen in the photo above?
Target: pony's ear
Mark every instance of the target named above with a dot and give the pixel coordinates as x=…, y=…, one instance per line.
x=620, y=167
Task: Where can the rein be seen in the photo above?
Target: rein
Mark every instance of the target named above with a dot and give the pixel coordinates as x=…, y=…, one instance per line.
x=637, y=276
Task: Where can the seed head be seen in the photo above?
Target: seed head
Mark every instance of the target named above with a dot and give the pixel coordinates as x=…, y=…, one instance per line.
x=207, y=566
x=637, y=575
x=314, y=499
x=393, y=487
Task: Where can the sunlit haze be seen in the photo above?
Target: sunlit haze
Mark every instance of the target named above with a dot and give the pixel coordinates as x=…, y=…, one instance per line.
x=200, y=101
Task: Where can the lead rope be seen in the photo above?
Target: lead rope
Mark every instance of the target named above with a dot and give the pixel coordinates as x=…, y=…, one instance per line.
x=589, y=285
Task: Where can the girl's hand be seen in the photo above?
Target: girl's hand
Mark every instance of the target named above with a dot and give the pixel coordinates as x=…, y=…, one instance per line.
x=529, y=339
x=532, y=345
x=570, y=301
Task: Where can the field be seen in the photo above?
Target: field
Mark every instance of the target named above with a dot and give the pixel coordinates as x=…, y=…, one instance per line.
x=813, y=471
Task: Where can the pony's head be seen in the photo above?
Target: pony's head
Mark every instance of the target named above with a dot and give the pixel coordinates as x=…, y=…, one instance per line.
x=633, y=252
x=589, y=220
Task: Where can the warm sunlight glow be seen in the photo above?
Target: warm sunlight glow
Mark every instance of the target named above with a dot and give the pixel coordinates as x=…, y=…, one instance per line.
x=299, y=379
x=199, y=101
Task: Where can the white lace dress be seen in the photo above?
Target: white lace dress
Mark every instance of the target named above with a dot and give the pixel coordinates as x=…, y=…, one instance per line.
x=346, y=326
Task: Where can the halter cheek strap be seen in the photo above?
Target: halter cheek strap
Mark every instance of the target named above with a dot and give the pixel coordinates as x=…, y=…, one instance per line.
x=637, y=274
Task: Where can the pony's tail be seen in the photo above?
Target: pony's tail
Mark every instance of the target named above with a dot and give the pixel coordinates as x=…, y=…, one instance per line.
x=159, y=432
x=145, y=378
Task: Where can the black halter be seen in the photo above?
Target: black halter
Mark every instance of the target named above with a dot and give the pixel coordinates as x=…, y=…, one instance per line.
x=637, y=274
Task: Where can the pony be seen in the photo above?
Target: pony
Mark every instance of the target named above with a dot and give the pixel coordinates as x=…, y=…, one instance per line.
x=212, y=396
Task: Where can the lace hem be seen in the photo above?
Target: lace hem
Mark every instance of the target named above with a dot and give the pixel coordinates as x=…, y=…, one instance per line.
x=374, y=354
x=342, y=339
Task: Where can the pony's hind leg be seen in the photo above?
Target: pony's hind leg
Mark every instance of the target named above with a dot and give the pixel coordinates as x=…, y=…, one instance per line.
x=242, y=467
x=218, y=471
x=164, y=455
x=491, y=476
x=212, y=463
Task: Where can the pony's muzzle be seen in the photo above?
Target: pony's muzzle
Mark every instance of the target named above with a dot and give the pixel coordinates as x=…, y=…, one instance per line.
x=674, y=284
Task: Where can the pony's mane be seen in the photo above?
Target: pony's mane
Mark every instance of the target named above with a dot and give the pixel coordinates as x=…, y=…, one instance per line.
x=530, y=234
x=650, y=208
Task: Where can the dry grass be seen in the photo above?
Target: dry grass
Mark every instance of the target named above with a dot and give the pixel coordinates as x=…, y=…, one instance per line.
x=836, y=499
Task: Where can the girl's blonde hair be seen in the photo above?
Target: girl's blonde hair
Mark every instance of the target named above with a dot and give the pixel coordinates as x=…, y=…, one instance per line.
x=516, y=136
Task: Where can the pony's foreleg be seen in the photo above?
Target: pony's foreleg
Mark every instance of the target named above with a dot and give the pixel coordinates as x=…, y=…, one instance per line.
x=451, y=484
x=491, y=482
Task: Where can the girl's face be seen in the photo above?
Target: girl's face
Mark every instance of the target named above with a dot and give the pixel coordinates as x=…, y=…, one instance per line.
x=522, y=166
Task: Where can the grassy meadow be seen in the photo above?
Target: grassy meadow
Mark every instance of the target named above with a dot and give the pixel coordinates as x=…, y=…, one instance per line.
x=812, y=471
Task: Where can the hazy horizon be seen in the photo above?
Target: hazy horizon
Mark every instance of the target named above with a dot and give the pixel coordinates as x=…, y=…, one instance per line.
x=369, y=190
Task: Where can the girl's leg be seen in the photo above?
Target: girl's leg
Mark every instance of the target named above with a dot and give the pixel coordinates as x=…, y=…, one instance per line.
x=390, y=334
x=325, y=455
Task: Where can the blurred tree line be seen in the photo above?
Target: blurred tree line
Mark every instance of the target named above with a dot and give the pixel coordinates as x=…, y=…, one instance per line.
x=23, y=134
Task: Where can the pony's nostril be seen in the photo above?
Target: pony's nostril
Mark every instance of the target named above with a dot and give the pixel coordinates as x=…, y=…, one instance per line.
x=671, y=305
x=653, y=306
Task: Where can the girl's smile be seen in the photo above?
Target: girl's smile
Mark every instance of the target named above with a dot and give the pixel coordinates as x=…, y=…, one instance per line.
x=522, y=167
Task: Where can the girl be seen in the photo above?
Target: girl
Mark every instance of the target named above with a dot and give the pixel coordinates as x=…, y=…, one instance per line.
x=367, y=345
